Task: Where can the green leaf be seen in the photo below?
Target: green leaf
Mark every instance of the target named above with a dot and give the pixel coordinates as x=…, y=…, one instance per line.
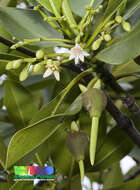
x=47, y=4
x=19, y=103
x=115, y=147
x=3, y=151
x=51, y=107
x=35, y=134
x=114, y=177
x=131, y=8
x=4, y=33
x=122, y=51
x=26, y=24
x=133, y=184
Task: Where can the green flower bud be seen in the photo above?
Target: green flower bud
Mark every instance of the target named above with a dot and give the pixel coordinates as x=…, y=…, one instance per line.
x=23, y=75
x=39, y=54
x=17, y=63
x=74, y=126
x=9, y=65
x=94, y=101
x=107, y=37
x=100, y=7
x=77, y=143
x=96, y=44
x=37, y=68
x=118, y=19
x=126, y=26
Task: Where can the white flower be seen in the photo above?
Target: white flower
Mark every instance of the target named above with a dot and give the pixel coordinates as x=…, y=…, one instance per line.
x=52, y=69
x=78, y=53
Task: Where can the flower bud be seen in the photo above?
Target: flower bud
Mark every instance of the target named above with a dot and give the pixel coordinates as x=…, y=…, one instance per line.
x=126, y=26
x=74, y=126
x=94, y=101
x=9, y=65
x=96, y=44
x=17, y=63
x=118, y=19
x=107, y=37
x=39, y=54
x=37, y=68
x=23, y=75
x=77, y=143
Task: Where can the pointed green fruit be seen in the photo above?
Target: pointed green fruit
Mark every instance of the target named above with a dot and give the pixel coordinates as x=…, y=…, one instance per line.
x=77, y=143
x=118, y=19
x=126, y=26
x=39, y=54
x=94, y=101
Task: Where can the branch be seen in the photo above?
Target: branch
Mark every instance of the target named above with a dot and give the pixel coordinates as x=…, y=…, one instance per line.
x=24, y=50
x=122, y=120
x=110, y=80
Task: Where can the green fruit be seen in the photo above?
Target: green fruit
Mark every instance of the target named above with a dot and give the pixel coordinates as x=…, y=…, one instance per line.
x=94, y=101
x=77, y=143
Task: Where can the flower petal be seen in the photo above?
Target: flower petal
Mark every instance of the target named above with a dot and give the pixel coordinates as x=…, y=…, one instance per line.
x=81, y=57
x=71, y=56
x=85, y=53
x=47, y=73
x=57, y=75
x=76, y=60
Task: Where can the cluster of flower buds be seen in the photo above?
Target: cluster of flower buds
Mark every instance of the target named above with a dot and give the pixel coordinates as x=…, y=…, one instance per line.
x=39, y=64
x=105, y=35
x=126, y=25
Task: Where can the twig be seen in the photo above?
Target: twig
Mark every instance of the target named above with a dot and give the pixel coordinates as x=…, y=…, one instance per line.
x=24, y=50
x=123, y=122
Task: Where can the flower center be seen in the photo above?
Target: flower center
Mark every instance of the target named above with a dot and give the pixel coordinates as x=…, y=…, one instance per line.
x=76, y=51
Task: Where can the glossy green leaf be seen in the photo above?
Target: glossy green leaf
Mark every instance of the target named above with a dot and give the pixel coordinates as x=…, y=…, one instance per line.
x=114, y=177
x=47, y=4
x=51, y=107
x=131, y=8
x=19, y=103
x=132, y=184
x=127, y=48
x=114, y=148
x=35, y=134
x=4, y=33
x=26, y=24
x=3, y=151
